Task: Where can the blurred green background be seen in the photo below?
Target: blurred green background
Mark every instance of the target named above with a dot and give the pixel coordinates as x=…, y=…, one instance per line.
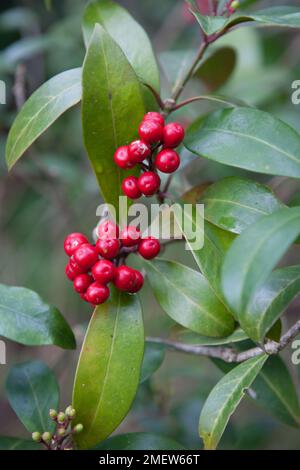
x=52, y=192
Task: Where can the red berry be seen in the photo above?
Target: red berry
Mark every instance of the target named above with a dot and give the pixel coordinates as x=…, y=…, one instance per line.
x=138, y=151
x=82, y=282
x=122, y=158
x=108, y=248
x=103, y=271
x=173, y=134
x=138, y=282
x=130, y=187
x=149, y=247
x=151, y=131
x=70, y=273
x=107, y=230
x=86, y=256
x=75, y=267
x=73, y=241
x=153, y=116
x=125, y=278
x=130, y=236
x=97, y=294
x=167, y=161
x=149, y=183
x=83, y=296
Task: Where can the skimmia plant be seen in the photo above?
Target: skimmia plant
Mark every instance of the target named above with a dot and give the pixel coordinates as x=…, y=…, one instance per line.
x=230, y=308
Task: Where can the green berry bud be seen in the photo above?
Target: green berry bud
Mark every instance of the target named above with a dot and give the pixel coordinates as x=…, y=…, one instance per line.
x=46, y=436
x=61, y=432
x=53, y=414
x=235, y=5
x=61, y=417
x=78, y=428
x=36, y=436
x=70, y=412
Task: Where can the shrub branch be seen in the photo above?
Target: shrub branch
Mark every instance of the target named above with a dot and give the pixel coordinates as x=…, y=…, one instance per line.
x=230, y=354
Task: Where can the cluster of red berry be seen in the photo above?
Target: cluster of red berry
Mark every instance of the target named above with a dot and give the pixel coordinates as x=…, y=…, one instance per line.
x=158, y=138
x=92, y=267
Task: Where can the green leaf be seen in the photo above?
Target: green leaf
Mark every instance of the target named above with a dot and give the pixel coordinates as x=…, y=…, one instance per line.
x=281, y=16
x=185, y=295
x=153, y=359
x=247, y=138
x=234, y=203
x=15, y=443
x=210, y=24
x=129, y=35
x=189, y=337
x=46, y=104
x=108, y=371
x=32, y=391
x=112, y=107
x=224, y=399
x=217, y=68
x=274, y=391
x=269, y=302
x=210, y=257
x=27, y=319
x=139, y=441
x=254, y=254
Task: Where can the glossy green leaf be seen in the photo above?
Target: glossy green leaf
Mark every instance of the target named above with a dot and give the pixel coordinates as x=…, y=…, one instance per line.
x=112, y=107
x=275, y=391
x=108, y=371
x=217, y=68
x=15, y=443
x=46, y=104
x=235, y=203
x=32, y=391
x=224, y=399
x=247, y=138
x=280, y=16
x=186, y=296
x=254, y=254
x=129, y=35
x=139, y=441
x=153, y=359
x=186, y=336
x=210, y=257
x=270, y=301
x=210, y=24
x=27, y=319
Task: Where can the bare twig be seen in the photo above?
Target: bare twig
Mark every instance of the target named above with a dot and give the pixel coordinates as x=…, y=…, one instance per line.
x=229, y=354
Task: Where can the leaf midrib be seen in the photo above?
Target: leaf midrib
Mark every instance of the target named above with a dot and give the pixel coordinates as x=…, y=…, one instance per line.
x=191, y=300
x=251, y=137
x=220, y=415
x=106, y=369
x=33, y=117
x=36, y=401
x=235, y=203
